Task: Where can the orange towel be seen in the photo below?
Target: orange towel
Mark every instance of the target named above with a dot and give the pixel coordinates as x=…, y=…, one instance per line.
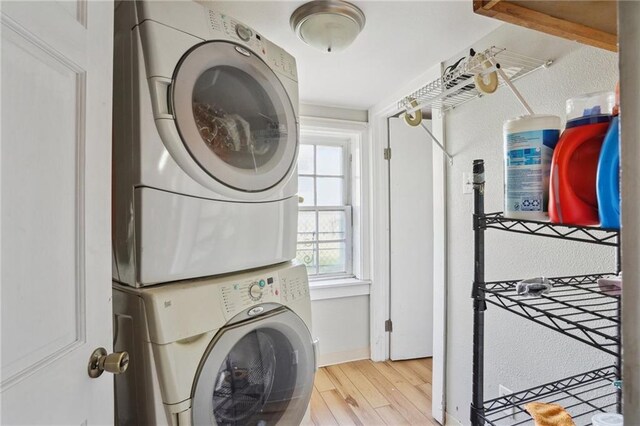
x=549, y=414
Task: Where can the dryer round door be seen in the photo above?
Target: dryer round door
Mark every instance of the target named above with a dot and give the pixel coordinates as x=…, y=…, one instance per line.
x=234, y=116
x=258, y=372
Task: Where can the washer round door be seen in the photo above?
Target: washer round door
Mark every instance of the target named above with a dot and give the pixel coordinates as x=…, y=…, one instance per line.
x=259, y=372
x=234, y=116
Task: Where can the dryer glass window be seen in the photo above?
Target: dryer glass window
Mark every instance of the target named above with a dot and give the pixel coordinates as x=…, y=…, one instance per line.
x=237, y=118
x=256, y=381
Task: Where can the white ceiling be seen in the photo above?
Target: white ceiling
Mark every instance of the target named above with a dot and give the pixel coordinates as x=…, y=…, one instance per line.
x=400, y=41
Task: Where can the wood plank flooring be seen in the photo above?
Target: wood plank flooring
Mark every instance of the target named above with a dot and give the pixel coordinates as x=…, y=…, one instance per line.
x=365, y=393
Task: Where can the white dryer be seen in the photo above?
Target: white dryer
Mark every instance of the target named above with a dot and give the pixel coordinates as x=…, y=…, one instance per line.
x=205, y=144
x=234, y=350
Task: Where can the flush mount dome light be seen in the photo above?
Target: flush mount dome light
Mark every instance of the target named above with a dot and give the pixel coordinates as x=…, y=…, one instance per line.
x=328, y=25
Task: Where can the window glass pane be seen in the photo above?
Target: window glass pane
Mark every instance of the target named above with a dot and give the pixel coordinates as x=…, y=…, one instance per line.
x=305, y=190
x=306, y=256
x=330, y=191
x=331, y=257
x=307, y=226
x=305, y=160
x=332, y=225
x=329, y=160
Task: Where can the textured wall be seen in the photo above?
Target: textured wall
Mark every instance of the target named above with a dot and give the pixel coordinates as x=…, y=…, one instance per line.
x=518, y=354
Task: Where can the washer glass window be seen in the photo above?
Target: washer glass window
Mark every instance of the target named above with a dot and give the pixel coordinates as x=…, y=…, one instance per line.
x=257, y=373
x=247, y=388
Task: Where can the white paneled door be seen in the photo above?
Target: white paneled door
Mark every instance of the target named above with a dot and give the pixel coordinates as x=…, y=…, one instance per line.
x=411, y=241
x=55, y=210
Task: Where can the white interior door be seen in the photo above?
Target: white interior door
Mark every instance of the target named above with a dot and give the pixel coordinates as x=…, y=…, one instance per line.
x=411, y=241
x=56, y=210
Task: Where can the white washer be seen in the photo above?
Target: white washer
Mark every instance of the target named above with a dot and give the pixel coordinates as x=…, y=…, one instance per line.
x=205, y=145
x=234, y=350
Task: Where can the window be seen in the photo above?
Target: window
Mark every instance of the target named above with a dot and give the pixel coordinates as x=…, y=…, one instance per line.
x=324, y=218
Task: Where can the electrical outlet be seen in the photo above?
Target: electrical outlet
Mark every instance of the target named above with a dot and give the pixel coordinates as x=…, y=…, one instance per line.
x=467, y=183
x=503, y=391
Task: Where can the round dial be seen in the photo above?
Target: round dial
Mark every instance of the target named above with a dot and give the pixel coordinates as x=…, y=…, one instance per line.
x=255, y=291
x=243, y=32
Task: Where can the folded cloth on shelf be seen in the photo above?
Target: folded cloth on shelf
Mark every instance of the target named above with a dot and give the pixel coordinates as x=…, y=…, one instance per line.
x=534, y=287
x=545, y=414
x=611, y=284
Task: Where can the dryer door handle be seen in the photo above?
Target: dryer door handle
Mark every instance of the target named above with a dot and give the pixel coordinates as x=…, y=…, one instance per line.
x=316, y=353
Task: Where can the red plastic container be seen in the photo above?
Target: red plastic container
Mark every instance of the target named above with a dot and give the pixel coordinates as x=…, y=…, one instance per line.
x=572, y=185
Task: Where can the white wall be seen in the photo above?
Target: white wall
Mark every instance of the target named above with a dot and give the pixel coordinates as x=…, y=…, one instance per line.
x=518, y=354
x=340, y=309
x=342, y=325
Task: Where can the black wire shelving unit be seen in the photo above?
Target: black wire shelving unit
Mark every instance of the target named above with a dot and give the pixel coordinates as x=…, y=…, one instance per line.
x=575, y=307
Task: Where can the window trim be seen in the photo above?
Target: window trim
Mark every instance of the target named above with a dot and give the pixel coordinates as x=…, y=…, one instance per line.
x=344, y=142
x=357, y=133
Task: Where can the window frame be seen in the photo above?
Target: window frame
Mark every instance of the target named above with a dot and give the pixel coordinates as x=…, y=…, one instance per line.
x=343, y=141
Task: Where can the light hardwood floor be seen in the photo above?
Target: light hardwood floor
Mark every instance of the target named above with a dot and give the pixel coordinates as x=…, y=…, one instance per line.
x=373, y=393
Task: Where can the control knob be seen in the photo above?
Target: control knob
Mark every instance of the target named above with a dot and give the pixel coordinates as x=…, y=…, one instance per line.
x=243, y=32
x=255, y=291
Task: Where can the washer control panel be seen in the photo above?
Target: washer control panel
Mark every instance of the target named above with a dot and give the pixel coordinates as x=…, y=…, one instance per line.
x=248, y=292
x=276, y=286
x=294, y=287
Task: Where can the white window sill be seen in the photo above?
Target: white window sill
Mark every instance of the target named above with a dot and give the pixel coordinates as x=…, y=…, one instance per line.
x=338, y=287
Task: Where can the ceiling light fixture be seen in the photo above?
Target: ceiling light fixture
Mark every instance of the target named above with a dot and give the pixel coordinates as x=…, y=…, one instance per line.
x=328, y=25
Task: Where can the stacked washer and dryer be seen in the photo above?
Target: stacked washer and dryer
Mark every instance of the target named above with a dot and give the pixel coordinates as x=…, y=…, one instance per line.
x=213, y=312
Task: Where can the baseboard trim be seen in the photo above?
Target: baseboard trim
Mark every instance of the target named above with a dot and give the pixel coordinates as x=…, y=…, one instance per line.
x=449, y=420
x=342, y=357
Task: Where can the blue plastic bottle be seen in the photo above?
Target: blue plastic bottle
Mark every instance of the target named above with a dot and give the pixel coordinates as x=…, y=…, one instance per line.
x=608, y=180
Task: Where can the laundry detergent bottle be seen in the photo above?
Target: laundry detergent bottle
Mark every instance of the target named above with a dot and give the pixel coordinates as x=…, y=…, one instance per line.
x=608, y=178
x=529, y=142
x=572, y=186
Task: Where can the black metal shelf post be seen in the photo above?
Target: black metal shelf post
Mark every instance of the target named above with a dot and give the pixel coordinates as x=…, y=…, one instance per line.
x=478, y=295
x=576, y=308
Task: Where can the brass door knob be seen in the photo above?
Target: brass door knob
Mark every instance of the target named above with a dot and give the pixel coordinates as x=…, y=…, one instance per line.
x=115, y=363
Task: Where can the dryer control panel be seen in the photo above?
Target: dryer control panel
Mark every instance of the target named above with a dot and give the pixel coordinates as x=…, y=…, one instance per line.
x=240, y=33
x=236, y=31
x=283, y=287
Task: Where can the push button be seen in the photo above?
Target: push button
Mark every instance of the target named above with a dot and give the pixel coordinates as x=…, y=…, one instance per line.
x=262, y=283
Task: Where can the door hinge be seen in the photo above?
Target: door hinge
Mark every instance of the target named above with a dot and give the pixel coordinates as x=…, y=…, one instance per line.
x=388, y=325
x=387, y=153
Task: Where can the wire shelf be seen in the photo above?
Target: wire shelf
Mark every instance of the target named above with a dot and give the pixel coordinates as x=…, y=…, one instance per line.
x=575, y=307
x=582, y=395
x=586, y=234
x=457, y=87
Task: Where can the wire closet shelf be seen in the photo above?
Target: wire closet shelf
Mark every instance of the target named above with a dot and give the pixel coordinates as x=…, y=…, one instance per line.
x=457, y=86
